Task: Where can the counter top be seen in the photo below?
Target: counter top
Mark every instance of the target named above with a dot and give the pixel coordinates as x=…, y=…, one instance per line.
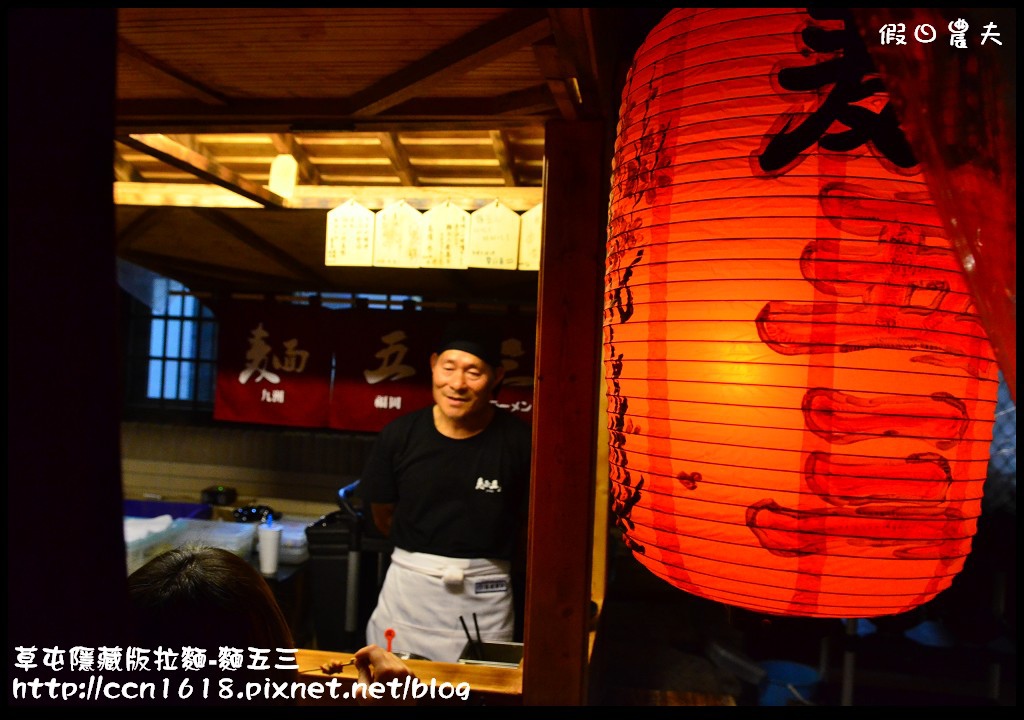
x=488, y=685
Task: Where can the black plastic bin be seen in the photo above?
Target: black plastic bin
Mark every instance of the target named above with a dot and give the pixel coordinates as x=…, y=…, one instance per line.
x=347, y=562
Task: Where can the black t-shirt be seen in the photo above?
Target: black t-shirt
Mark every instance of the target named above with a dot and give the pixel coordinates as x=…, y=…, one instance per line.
x=457, y=498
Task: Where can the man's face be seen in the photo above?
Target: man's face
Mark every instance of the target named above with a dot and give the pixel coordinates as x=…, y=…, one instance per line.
x=463, y=384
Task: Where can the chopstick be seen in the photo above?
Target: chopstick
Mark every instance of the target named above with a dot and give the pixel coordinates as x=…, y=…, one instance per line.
x=469, y=638
x=479, y=642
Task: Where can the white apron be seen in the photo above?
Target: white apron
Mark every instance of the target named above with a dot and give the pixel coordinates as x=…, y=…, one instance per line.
x=424, y=595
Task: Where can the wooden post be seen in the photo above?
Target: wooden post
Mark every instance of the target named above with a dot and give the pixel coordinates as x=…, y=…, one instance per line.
x=555, y=664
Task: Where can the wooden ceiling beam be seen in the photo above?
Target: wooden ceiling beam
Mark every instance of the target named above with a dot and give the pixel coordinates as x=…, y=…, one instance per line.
x=136, y=228
x=285, y=144
x=574, y=38
x=499, y=139
x=326, y=197
x=165, y=74
x=192, y=144
x=549, y=60
x=493, y=40
x=124, y=171
x=194, y=273
x=399, y=159
x=528, y=101
x=536, y=99
x=253, y=240
x=282, y=115
x=192, y=161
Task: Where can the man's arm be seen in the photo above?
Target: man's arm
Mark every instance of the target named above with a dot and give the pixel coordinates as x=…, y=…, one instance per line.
x=382, y=514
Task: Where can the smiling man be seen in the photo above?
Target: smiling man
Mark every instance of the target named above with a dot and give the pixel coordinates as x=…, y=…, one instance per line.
x=449, y=484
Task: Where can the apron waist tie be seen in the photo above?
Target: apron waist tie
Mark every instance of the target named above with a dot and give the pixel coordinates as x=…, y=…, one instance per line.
x=452, y=571
x=453, y=576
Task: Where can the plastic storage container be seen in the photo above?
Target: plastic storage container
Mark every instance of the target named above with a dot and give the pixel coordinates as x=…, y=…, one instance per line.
x=239, y=538
x=145, y=538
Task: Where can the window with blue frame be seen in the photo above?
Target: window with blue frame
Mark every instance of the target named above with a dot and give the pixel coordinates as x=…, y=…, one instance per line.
x=182, y=345
x=170, y=339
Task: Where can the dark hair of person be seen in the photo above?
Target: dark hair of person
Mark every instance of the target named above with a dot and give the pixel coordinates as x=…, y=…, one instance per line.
x=207, y=597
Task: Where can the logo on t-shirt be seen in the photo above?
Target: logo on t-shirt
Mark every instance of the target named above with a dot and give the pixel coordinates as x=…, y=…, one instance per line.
x=491, y=486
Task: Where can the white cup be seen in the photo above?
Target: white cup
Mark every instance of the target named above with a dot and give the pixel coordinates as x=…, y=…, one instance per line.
x=269, y=547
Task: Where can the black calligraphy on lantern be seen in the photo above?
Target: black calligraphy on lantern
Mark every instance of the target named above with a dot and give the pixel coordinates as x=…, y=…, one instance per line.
x=856, y=111
x=644, y=171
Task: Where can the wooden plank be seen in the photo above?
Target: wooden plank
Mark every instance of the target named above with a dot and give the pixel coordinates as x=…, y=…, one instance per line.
x=327, y=197
x=499, y=139
x=565, y=412
x=301, y=492
x=163, y=74
x=265, y=247
x=511, y=110
x=398, y=157
x=551, y=66
x=501, y=36
x=184, y=158
x=487, y=685
x=124, y=170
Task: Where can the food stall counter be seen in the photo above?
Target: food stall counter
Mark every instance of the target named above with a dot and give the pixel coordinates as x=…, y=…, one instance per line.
x=436, y=683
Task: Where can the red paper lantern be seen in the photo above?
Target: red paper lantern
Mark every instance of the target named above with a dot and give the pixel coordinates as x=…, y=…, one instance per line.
x=801, y=394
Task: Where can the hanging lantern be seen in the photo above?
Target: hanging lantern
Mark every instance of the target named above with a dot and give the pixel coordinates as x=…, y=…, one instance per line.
x=801, y=394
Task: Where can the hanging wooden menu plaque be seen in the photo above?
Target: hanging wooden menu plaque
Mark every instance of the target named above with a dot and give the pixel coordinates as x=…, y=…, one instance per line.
x=350, y=235
x=446, y=231
x=493, y=238
x=530, y=237
x=398, y=235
